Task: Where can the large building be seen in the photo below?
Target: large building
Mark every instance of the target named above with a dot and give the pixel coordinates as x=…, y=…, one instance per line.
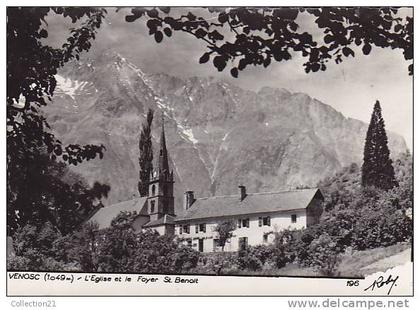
x=257, y=216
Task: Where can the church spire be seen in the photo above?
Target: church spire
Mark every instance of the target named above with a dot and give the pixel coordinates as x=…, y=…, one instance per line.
x=163, y=165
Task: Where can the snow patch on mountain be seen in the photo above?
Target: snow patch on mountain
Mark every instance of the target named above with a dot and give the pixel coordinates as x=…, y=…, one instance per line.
x=68, y=86
x=187, y=133
x=225, y=136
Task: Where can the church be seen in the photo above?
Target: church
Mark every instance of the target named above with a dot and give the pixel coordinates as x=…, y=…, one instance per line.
x=257, y=216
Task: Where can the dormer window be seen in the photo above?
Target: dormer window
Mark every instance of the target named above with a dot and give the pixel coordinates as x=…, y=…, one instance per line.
x=186, y=229
x=243, y=223
x=264, y=221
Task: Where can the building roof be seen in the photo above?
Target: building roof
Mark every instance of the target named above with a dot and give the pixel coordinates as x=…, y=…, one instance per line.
x=104, y=216
x=222, y=206
x=164, y=220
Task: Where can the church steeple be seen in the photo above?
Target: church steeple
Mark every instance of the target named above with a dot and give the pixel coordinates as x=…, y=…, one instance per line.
x=161, y=185
x=163, y=165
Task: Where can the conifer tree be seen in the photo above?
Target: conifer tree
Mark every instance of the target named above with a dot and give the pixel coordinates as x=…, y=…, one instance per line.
x=146, y=155
x=377, y=169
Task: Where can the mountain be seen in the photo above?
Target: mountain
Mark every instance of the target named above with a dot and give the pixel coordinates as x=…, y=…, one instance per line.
x=218, y=135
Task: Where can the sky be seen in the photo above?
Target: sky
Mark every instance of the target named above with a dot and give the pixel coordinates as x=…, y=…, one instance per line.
x=351, y=87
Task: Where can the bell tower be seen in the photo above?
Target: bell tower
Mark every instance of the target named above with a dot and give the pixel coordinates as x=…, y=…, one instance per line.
x=161, y=186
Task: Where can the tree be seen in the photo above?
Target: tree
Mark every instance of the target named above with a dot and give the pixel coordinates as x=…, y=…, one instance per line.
x=225, y=229
x=146, y=155
x=31, y=68
x=377, y=169
x=256, y=36
x=47, y=191
x=34, y=249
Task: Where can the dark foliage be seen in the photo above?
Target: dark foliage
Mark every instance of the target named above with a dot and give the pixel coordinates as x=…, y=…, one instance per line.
x=79, y=247
x=284, y=248
x=254, y=257
x=377, y=169
x=31, y=69
x=47, y=191
x=120, y=249
x=240, y=37
x=325, y=254
x=356, y=217
x=35, y=249
x=216, y=263
x=368, y=217
x=146, y=155
x=115, y=249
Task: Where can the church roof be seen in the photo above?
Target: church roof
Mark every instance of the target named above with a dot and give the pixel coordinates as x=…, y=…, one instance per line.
x=223, y=206
x=163, y=164
x=105, y=215
x=166, y=219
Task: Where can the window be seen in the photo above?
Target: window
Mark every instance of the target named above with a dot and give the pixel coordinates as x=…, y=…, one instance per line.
x=196, y=228
x=293, y=218
x=152, y=206
x=189, y=243
x=243, y=243
x=153, y=190
x=202, y=228
x=201, y=245
x=264, y=221
x=186, y=229
x=180, y=229
x=243, y=223
x=265, y=238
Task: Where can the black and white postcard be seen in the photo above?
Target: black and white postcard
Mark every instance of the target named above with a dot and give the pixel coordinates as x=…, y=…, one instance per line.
x=209, y=151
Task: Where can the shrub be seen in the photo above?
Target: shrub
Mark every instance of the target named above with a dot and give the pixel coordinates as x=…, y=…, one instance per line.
x=284, y=248
x=161, y=254
x=254, y=257
x=324, y=254
x=380, y=228
x=367, y=217
x=40, y=239
x=185, y=258
x=217, y=263
x=81, y=247
x=34, y=249
x=18, y=263
x=248, y=260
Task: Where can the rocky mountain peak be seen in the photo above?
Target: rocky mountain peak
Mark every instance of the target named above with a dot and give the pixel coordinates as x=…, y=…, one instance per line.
x=218, y=135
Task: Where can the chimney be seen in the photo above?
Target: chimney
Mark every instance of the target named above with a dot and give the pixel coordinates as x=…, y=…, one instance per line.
x=242, y=192
x=188, y=199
